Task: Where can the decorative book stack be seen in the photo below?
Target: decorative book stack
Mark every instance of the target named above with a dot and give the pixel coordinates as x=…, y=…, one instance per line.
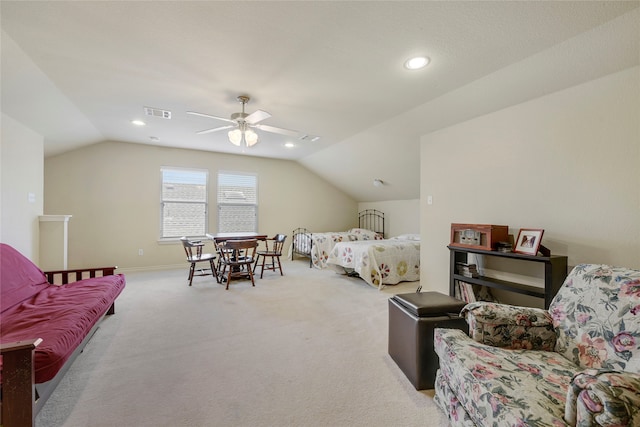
x=467, y=270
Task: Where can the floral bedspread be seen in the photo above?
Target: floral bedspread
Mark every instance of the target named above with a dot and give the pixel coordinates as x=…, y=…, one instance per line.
x=323, y=243
x=378, y=262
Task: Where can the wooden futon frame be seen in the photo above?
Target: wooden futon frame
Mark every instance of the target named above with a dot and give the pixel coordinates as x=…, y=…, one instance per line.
x=21, y=398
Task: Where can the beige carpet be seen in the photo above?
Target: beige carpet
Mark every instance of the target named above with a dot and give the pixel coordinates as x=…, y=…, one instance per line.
x=306, y=349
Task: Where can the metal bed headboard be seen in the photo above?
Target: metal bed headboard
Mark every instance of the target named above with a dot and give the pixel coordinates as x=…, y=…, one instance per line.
x=372, y=219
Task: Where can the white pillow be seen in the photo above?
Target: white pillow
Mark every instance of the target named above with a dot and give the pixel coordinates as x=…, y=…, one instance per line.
x=415, y=237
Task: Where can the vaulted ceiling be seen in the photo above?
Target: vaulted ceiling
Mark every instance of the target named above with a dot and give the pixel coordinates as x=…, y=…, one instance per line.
x=78, y=72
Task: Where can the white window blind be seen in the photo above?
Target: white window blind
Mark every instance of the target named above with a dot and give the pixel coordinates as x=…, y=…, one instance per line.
x=237, y=202
x=183, y=202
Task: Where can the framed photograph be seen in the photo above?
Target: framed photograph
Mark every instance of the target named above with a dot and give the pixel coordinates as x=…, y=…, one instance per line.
x=528, y=241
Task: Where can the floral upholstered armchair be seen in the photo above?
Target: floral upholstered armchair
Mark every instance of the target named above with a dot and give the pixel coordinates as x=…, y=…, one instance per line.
x=577, y=364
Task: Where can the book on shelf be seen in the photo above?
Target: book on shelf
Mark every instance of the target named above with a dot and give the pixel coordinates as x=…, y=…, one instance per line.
x=467, y=270
x=471, y=293
x=465, y=290
x=456, y=292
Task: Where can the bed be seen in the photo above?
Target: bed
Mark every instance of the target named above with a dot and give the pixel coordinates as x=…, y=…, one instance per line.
x=379, y=262
x=317, y=246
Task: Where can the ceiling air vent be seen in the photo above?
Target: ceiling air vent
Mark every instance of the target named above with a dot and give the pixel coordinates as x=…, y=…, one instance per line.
x=156, y=112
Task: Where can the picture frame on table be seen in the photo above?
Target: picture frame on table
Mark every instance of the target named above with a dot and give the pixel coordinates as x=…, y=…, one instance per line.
x=528, y=241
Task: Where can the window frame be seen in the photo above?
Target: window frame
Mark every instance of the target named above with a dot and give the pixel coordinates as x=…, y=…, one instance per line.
x=161, y=230
x=220, y=205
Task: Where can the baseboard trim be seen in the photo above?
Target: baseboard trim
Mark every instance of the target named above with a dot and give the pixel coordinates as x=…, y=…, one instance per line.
x=151, y=268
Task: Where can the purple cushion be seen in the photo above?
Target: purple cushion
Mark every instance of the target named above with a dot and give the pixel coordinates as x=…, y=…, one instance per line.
x=20, y=279
x=62, y=316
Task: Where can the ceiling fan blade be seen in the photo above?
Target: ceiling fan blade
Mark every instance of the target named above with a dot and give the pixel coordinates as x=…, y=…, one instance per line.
x=281, y=131
x=257, y=116
x=307, y=137
x=210, y=116
x=202, y=132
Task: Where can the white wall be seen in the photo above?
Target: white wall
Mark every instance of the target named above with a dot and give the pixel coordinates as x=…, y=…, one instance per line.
x=21, y=158
x=566, y=162
x=112, y=189
x=390, y=150
x=400, y=216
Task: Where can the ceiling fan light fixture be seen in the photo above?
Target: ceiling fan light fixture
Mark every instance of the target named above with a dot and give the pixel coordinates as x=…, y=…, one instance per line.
x=250, y=138
x=243, y=135
x=235, y=137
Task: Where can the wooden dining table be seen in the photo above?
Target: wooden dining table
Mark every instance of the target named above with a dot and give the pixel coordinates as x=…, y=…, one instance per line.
x=243, y=235
x=220, y=238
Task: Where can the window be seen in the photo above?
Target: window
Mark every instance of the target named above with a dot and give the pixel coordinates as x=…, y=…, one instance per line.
x=237, y=202
x=183, y=210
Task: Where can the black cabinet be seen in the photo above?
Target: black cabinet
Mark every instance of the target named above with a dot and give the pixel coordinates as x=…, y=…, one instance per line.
x=555, y=271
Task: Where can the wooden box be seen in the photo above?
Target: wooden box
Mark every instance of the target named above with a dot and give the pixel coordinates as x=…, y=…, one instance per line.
x=478, y=236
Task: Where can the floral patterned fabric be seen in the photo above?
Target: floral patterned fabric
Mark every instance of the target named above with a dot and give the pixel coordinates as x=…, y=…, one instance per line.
x=323, y=243
x=502, y=387
x=378, y=262
x=596, y=314
x=509, y=326
x=590, y=377
x=594, y=395
x=447, y=400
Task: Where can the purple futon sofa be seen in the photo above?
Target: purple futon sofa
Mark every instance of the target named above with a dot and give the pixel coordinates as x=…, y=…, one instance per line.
x=44, y=326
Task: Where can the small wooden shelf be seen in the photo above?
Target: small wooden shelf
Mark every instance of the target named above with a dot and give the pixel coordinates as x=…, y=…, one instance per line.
x=519, y=288
x=555, y=272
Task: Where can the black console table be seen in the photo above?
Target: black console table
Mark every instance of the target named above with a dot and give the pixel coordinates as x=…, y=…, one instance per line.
x=555, y=272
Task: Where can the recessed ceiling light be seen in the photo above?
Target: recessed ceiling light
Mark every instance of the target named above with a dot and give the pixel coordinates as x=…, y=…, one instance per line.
x=416, y=63
x=289, y=144
x=138, y=122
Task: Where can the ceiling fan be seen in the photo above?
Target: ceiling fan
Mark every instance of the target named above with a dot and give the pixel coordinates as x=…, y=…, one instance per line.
x=243, y=125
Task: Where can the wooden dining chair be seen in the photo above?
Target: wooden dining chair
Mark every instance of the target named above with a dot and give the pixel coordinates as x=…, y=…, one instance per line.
x=237, y=258
x=273, y=251
x=193, y=250
x=219, y=247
